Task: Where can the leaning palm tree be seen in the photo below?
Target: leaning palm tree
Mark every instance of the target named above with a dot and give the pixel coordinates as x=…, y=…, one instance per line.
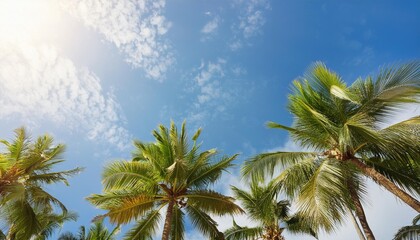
x=409, y=232
x=166, y=175
x=272, y=216
x=97, y=231
x=26, y=166
x=343, y=128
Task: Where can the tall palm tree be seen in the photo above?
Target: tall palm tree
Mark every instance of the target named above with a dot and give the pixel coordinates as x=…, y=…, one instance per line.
x=342, y=125
x=97, y=231
x=272, y=216
x=25, y=168
x=409, y=232
x=167, y=173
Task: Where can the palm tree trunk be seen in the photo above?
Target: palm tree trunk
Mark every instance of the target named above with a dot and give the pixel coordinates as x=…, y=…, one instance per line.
x=168, y=220
x=386, y=183
x=356, y=225
x=360, y=213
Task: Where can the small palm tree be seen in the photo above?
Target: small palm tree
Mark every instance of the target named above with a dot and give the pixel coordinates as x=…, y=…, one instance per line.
x=409, y=232
x=342, y=126
x=166, y=174
x=97, y=231
x=25, y=167
x=272, y=216
x=51, y=221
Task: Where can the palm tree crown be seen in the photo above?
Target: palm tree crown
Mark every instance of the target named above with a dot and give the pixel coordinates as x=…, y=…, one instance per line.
x=271, y=215
x=25, y=167
x=343, y=127
x=167, y=173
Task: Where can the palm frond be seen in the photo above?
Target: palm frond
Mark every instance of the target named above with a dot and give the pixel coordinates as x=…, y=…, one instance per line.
x=265, y=163
x=291, y=179
x=203, y=222
x=68, y=236
x=152, y=154
x=163, y=142
x=114, y=232
x=404, y=175
x=19, y=145
x=279, y=126
x=212, y=202
x=109, y=199
x=416, y=219
x=51, y=222
x=211, y=173
x=24, y=220
x=297, y=225
x=40, y=198
x=258, y=203
x=54, y=177
x=179, y=141
x=176, y=174
x=322, y=199
x=394, y=85
x=237, y=232
x=145, y=226
x=130, y=208
x=200, y=161
x=128, y=174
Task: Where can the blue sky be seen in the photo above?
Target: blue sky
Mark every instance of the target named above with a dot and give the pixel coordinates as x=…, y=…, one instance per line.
x=97, y=74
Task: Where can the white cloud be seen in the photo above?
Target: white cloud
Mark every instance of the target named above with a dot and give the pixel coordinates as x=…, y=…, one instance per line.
x=250, y=21
x=238, y=71
x=36, y=84
x=209, y=86
x=137, y=29
x=214, y=88
x=211, y=26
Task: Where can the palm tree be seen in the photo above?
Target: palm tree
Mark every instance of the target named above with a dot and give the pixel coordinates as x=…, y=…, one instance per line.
x=342, y=127
x=167, y=173
x=25, y=167
x=97, y=231
x=272, y=216
x=409, y=232
x=51, y=221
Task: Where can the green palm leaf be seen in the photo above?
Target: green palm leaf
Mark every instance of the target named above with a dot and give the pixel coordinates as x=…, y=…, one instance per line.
x=213, y=202
x=265, y=163
x=145, y=227
x=243, y=233
x=203, y=222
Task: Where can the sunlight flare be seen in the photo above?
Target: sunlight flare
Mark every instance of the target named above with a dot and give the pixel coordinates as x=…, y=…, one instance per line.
x=26, y=19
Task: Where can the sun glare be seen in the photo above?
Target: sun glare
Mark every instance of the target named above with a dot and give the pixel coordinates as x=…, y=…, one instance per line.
x=25, y=19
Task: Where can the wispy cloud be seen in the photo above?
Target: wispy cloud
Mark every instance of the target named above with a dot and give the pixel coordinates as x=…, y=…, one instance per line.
x=210, y=29
x=209, y=88
x=211, y=26
x=250, y=21
x=137, y=28
x=39, y=85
